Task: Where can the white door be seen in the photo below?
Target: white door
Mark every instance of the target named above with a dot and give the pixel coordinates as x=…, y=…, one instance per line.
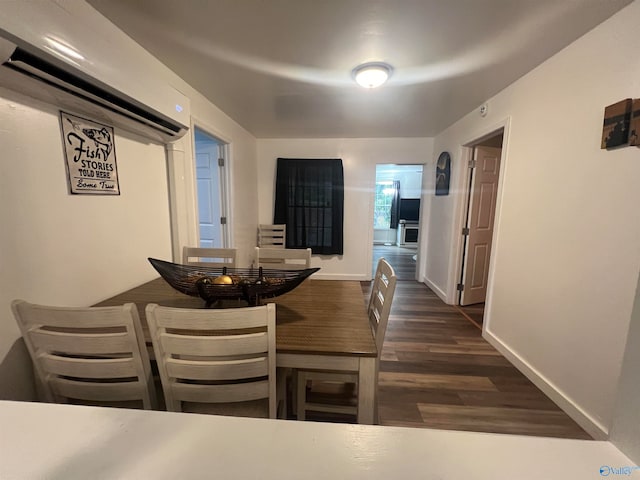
x=210, y=178
x=482, y=205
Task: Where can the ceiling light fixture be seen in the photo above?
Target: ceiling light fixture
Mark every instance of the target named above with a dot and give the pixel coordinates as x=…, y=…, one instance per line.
x=371, y=75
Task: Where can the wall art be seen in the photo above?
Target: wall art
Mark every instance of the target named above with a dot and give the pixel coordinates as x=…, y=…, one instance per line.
x=615, y=130
x=90, y=156
x=443, y=173
x=634, y=128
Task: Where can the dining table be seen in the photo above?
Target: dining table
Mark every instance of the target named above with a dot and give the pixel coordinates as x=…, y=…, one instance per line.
x=321, y=324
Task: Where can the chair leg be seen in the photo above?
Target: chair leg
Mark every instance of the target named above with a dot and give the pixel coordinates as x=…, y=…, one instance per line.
x=294, y=392
x=301, y=394
x=281, y=395
x=172, y=404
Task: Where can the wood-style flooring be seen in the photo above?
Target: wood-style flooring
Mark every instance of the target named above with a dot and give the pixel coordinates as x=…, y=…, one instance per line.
x=473, y=313
x=400, y=258
x=437, y=371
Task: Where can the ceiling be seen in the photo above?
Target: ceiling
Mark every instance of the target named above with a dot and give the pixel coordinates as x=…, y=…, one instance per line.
x=282, y=68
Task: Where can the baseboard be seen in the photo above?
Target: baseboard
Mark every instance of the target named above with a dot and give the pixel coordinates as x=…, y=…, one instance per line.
x=588, y=423
x=437, y=290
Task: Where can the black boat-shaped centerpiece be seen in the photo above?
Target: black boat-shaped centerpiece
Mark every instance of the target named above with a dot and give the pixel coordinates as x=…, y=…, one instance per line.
x=226, y=283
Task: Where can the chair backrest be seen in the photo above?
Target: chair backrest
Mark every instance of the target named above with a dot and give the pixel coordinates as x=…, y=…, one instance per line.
x=382, y=291
x=91, y=355
x=272, y=236
x=215, y=355
x=218, y=257
x=283, y=258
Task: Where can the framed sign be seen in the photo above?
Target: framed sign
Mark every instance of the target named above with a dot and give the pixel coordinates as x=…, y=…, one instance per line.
x=617, y=118
x=443, y=173
x=634, y=129
x=90, y=156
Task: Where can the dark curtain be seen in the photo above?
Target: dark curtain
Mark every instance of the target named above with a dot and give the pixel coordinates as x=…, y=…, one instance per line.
x=310, y=201
x=395, y=205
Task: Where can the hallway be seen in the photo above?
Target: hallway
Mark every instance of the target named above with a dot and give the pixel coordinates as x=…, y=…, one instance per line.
x=400, y=258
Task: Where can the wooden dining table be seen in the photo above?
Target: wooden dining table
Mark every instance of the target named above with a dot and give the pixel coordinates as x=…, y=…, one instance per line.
x=321, y=324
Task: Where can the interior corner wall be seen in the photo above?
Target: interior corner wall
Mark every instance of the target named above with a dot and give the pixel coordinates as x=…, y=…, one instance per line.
x=63, y=249
x=566, y=259
x=359, y=157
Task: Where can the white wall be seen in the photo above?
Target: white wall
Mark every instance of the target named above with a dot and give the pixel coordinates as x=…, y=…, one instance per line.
x=566, y=258
x=625, y=432
x=359, y=158
x=64, y=249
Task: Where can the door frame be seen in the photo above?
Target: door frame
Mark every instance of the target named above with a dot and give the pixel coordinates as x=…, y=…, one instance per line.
x=423, y=215
x=460, y=213
x=224, y=147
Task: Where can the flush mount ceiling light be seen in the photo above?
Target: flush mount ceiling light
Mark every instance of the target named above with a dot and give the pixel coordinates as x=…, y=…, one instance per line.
x=371, y=75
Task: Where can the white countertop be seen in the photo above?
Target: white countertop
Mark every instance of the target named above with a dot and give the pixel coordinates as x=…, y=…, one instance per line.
x=48, y=441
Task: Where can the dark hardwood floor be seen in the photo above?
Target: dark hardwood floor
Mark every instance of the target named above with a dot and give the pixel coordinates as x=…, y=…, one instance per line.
x=437, y=371
x=400, y=258
x=473, y=313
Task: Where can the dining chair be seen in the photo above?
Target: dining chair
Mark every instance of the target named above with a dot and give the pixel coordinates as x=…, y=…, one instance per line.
x=283, y=258
x=334, y=392
x=216, y=361
x=217, y=257
x=272, y=236
x=93, y=355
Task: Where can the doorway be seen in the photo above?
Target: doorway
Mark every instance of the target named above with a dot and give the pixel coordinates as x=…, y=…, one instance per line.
x=211, y=183
x=396, y=217
x=481, y=198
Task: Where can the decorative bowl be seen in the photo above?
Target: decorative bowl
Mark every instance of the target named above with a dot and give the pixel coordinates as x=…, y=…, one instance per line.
x=249, y=284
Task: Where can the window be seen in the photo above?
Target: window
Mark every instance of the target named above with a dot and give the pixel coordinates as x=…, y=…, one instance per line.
x=310, y=201
x=386, y=204
x=382, y=209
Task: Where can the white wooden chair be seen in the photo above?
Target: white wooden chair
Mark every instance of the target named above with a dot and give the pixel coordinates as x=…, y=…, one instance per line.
x=93, y=355
x=324, y=391
x=283, y=258
x=272, y=236
x=217, y=257
x=219, y=361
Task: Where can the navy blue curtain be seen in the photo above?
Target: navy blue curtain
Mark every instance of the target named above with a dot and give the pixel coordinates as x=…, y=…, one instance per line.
x=310, y=201
x=395, y=205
